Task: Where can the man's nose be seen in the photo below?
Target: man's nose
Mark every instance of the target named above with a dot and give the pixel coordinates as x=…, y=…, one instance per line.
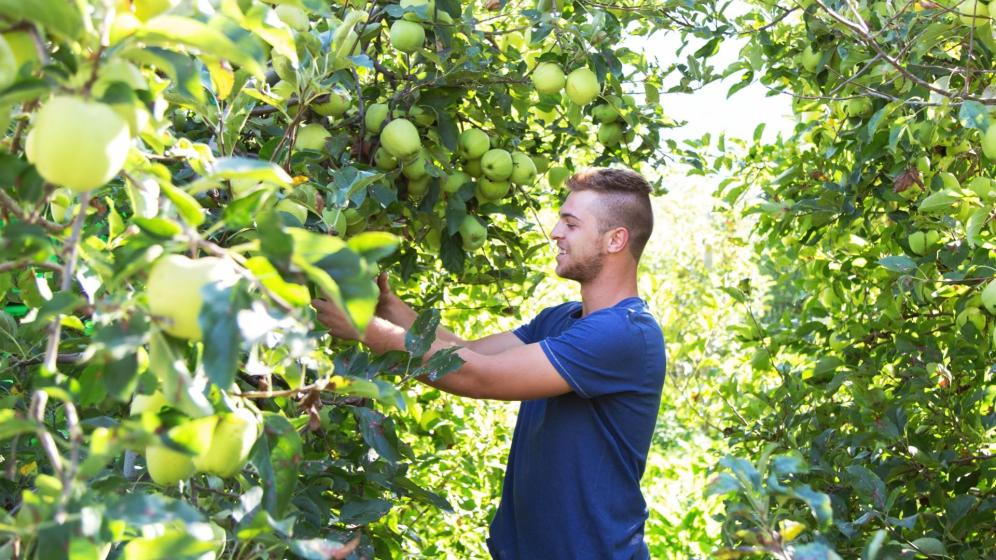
x=555, y=233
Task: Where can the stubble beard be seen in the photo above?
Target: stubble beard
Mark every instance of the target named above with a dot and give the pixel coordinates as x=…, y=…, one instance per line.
x=583, y=271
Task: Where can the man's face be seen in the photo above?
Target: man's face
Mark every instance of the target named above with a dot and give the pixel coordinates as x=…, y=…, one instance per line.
x=581, y=254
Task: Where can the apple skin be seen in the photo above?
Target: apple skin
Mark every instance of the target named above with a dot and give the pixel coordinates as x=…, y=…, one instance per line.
x=473, y=143
x=336, y=105
x=311, y=137
x=860, y=107
x=375, y=116
x=557, y=175
x=493, y=190
x=497, y=164
x=989, y=142
x=415, y=169
x=174, y=291
x=605, y=113
x=809, y=59
x=167, y=466
x=609, y=134
x=407, y=36
x=400, y=137
x=523, y=169
x=233, y=438
x=548, y=78
x=430, y=9
x=473, y=233
x=384, y=159
x=582, y=86
x=77, y=144
x=455, y=181
x=473, y=168
x=419, y=187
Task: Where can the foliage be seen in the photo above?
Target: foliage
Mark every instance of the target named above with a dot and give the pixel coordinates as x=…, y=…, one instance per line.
x=873, y=346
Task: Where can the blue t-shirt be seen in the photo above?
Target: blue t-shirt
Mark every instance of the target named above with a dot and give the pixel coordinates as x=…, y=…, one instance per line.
x=572, y=485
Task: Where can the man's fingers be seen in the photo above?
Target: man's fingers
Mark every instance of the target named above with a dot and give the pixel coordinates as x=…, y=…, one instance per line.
x=382, y=282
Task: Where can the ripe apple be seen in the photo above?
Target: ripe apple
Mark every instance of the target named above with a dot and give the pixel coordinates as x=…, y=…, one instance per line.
x=300, y=212
x=384, y=159
x=557, y=175
x=167, y=466
x=418, y=187
x=989, y=142
x=582, y=86
x=809, y=59
x=493, y=190
x=548, y=78
x=374, y=119
x=973, y=12
x=336, y=105
x=605, y=113
x=542, y=164
x=233, y=438
x=294, y=17
x=174, y=291
x=473, y=233
x=455, y=181
x=415, y=169
x=22, y=46
x=472, y=143
x=473, y=168
x=523, y=169
x=77, y=143
x=918, y=242
x=407, y=36
x=609, y=134
x=400, y=137
x=497, y=164
x=8, y=65
x=430, y=9
x=311, y=137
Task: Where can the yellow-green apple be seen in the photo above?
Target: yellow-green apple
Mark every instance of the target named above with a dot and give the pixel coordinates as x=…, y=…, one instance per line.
x=174, y=291
x=557, y=175
x=335, y=106
x=400, y=137
x=418, y=187
x=497, y=164
x=311, y=137
x=548, y=78
x=374, y=119
x=523, y=169
x=989, y=142
x=605, y=113
x=167, y=466
x=384, y=159
x=493, y=190
x=233, y=438
x=582, y=86
x=454, y=181
x=809, y=59
x=859, y=107
x=473, y=143
x=77, y=143
x=609, y=134
x=473, y=233
x=473, y=168
x=415, y=169
x=407, y=36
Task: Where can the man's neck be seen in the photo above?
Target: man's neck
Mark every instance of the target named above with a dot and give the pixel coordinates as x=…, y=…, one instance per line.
x=608, y=289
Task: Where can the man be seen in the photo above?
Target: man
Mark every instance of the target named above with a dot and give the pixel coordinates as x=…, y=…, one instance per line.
x=589, y=374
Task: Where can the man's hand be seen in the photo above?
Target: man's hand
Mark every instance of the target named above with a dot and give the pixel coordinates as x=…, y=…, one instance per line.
x=390, y=307
x=338, y=323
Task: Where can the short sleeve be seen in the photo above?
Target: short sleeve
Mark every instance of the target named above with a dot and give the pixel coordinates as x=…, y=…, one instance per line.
x=602, y=354
x=535, y=330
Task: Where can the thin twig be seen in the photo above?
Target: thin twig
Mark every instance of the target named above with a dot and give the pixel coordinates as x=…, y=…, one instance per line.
x=55, y=328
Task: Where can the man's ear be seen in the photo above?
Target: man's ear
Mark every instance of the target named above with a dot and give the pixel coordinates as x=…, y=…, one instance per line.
x=618, y=240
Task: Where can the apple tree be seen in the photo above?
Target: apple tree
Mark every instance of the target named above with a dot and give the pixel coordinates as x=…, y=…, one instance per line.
x=180, y=179
x=868, y=430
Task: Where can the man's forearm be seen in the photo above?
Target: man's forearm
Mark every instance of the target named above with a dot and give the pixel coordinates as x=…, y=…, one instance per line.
x=401, y=314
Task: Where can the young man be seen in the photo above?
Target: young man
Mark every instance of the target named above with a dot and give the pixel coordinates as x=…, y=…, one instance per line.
x=589, y=374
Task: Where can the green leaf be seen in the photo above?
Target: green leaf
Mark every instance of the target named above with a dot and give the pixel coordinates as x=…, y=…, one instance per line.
x=161, y=228
x=814, y=551
x=222, y=338
x=441, y=363
x=179, y=388
x=874, y=545
x=378, y=431
x=139, y=510
x=174, y=545
x=318, y=549
x=422, y=333
x=899, y=263
x=252, y=169
x=277, y=459
x=818, y=502
x=186, y=205
x=974, y=115
x=180, y=68
x=975, y=224
x=867, y=484
x=930, y=545
x=170, y=30
x=374, y=245
x=364, y=512
x=269, y=276
x=311, y=247
x=59, y=16
x=11, y=425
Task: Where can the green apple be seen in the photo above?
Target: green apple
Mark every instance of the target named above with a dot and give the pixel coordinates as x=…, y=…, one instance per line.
x=174, y=291
x=983, y=186
x=497, y=164
x=433, y=239
x=311, y=137
x=418, y=187
x=473, y=168
x=542, y=164
x=918, y=242
x=523, y=169
x=299, y=211
x=22, y=46
x=400, y=137
x=605, y=113
x=77, y=143
x=375, y=117
x=859, y=107
x=430, y=9
x=582, y=86
x=472, y=143
x=415, y=169
x=973, y=315
x=989, y=142
x=557, y=175
x=473, y=233
x=294, y=17
x=609, y=134
x=455, y=181
x=167, y=466
x=973, y=12
x=809, y=59
x=335, y=106
x=148, y=9
x=548, y=78
x=233, y=438
x=407, y=36
x=493, y=190
x=8, y=65
x=384, y=159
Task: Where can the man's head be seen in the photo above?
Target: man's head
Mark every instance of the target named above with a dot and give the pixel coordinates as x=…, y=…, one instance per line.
x=606, y=215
